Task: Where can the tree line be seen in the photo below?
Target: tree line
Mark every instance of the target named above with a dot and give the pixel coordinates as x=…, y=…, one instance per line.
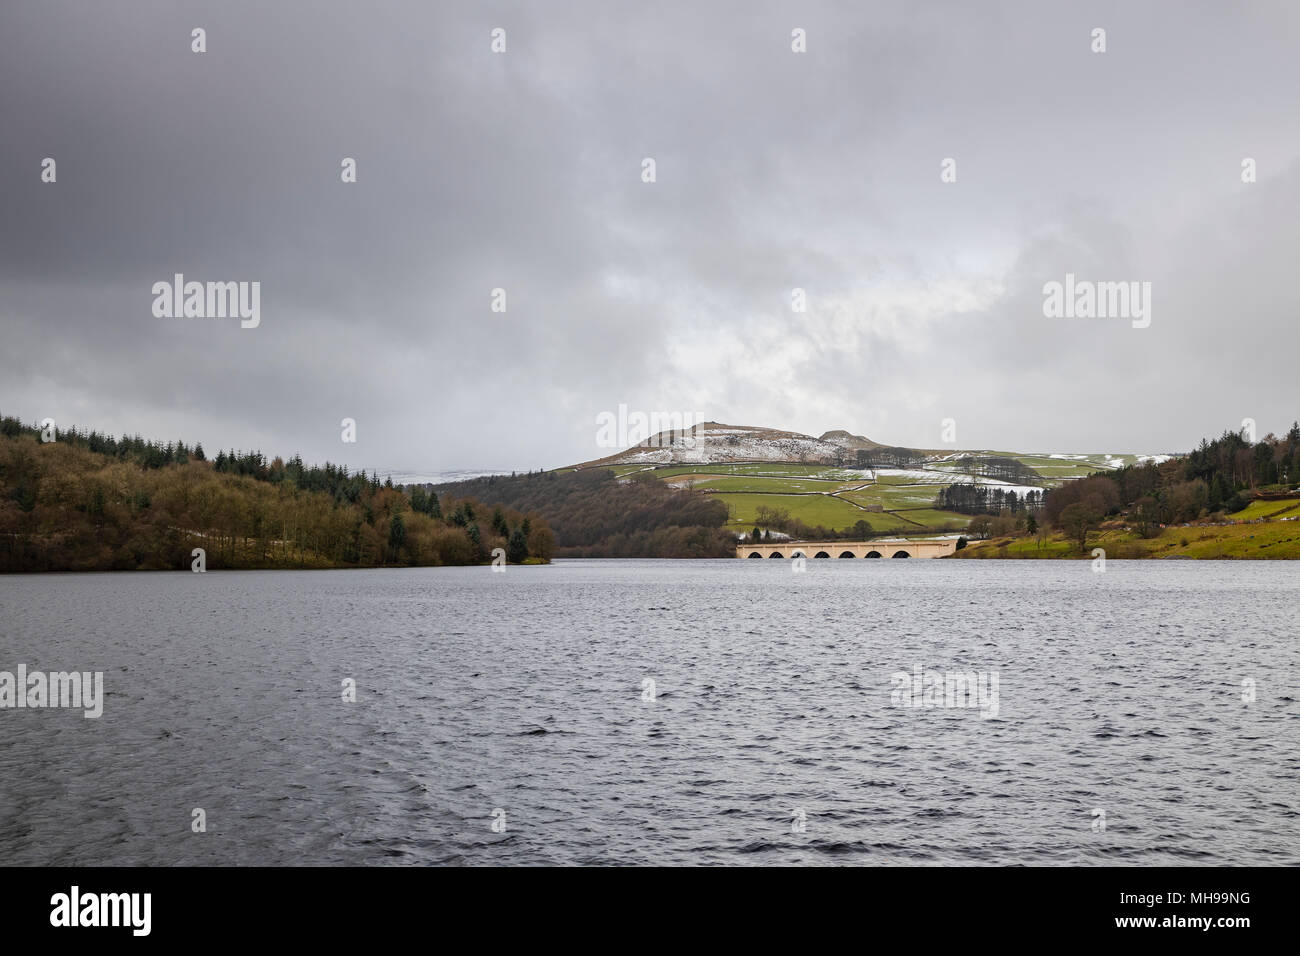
x=972, y=499
x=894, y=457
x=1219, y=477
x=88, y=502
x=1000, y=468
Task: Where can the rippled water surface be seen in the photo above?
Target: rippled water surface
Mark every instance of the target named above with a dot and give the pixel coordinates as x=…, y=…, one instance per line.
x=522, y=691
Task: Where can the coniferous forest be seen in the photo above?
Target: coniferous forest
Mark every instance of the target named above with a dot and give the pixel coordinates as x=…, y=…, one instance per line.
x=85, y=501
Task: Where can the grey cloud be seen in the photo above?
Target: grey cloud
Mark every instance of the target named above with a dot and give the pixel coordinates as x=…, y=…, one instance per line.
x=475, y=171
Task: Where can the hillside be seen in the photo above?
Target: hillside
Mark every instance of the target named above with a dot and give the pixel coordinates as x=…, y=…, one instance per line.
x=793, y=484
x=1232, y=536
x=595, y=514
x=712, y=443
x=716, y=443
x=89, y=502
x=1229, y=498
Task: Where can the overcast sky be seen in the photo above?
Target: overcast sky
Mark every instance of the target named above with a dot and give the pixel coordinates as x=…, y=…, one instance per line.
x=523, y=170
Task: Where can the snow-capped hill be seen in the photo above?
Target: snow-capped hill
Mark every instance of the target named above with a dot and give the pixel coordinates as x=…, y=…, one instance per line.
x=713, y=442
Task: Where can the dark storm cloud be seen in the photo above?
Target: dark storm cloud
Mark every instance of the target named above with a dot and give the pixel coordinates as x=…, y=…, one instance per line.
x=522, y=171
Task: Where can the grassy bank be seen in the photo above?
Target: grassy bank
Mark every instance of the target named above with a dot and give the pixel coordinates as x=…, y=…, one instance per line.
x=1246, y=540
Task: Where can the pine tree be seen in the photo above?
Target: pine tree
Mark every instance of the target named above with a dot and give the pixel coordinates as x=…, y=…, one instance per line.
x=1218, y=492
x=517, y=547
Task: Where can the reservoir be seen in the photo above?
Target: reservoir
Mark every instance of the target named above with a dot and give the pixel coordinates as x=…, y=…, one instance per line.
x=661, y=712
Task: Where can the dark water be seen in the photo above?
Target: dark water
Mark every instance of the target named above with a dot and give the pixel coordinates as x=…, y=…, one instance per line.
x=522, y=691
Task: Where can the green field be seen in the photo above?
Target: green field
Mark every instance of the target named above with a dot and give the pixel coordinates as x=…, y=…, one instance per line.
x=893, y=497
x=811, y=509
x=932, y=518
x=833, y=512
x=887, y=479
x=1285, y=507
x=804, y=490
x=790, y=486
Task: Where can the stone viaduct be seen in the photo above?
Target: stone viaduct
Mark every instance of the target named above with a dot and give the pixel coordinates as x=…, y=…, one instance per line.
x=884, y=548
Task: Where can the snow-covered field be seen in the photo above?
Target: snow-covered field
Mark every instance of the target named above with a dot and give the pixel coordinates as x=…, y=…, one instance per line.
x=918, y=476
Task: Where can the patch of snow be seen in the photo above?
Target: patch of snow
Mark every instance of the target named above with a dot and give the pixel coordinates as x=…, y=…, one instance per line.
x=715, y=447
x=437, y=477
